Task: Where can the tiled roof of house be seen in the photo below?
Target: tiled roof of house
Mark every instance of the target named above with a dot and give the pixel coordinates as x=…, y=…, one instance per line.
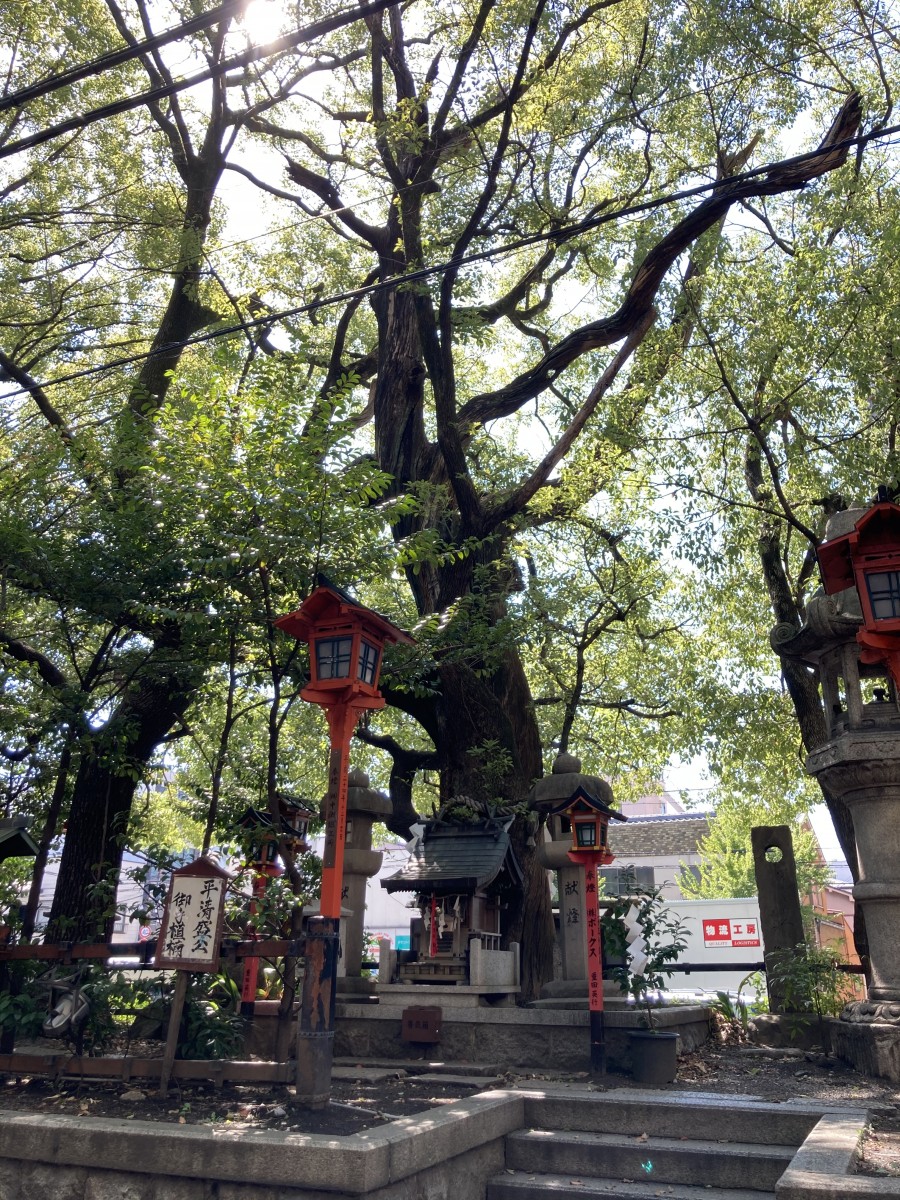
x=659, y=837
x=456, y=859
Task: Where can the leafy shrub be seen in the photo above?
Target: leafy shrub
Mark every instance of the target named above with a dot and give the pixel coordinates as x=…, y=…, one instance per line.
x=22, y=1006
x=732, y=1014
x=665, y=939
x=811, y=981
x=211, y=1026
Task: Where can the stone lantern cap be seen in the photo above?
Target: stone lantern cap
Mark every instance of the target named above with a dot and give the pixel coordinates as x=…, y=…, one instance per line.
x=565, y=779
x=363, y=800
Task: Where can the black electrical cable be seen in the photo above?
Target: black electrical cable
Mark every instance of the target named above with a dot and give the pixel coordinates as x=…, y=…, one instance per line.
x=308, y=33
x=558, y=235
x=115, y=58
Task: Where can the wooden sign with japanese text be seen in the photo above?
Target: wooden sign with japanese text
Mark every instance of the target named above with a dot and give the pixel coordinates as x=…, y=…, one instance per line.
x=192, y=920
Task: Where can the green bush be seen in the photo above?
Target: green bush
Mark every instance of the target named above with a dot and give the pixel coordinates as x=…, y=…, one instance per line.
x=664, y=937
x=810, y=980
x=732, y=1015
x=211, y=1026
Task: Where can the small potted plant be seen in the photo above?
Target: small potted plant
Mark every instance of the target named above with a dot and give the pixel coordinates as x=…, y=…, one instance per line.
x=664, y=936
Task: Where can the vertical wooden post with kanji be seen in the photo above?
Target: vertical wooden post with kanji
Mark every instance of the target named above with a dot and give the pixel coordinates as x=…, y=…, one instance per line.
x=189, y=938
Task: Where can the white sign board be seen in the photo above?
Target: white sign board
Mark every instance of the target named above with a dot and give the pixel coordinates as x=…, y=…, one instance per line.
x=192, y=921
x=729, y=932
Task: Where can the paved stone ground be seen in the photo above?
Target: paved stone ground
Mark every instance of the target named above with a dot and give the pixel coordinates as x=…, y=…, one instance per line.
x=365, y=1095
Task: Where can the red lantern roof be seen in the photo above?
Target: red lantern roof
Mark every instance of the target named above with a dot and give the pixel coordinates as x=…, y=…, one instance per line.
x=329, y=604
x=581, y=802
x=875, y=536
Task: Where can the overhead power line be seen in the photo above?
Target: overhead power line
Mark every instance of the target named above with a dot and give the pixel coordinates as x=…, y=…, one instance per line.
x=115, y=58
x=558, y=235
x=308, y=33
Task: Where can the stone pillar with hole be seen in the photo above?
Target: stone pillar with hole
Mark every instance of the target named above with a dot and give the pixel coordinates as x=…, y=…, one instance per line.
x=860, y=763
x=779, y=902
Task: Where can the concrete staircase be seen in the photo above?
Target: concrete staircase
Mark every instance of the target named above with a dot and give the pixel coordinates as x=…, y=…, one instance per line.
x=647, y=1145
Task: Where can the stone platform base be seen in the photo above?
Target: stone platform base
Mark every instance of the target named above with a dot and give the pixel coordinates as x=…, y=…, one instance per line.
x=447, y=995
x=518, y=1037
x=791, y=1031
x=872, y=1049
x=577, y=989
x=356, y=985
x=555, y=1039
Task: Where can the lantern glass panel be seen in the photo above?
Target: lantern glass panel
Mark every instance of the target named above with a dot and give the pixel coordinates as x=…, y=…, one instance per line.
x=368, y=662
x=333, y=657
x=884, y=592
x=586, y=833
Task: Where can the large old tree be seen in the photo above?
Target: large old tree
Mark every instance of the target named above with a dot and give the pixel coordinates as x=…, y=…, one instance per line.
x=447, y=286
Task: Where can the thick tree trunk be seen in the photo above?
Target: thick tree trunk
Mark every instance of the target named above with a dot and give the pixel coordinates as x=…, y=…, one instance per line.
x=489, y=749
x=804, y=692
x=112, y=762
x=49, y=833
x=481, y=718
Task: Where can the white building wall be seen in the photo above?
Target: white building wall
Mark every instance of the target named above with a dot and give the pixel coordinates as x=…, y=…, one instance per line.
x=389, y=915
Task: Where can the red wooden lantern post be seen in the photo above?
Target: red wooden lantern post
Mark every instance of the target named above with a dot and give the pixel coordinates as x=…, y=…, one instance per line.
x=589, y=818
x=868, y=558
x=346, y=641
x=261, y=836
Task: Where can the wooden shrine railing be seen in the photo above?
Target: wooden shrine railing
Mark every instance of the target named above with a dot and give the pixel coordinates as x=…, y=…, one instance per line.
x=132, y=1068
x=68, y=953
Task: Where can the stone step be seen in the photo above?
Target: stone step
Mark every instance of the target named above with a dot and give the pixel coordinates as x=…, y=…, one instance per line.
x=686, y=1114
x=660, y=1159
x=478, y=1082
x=518, y=1185
x=367, y=1074
x=419, y=1066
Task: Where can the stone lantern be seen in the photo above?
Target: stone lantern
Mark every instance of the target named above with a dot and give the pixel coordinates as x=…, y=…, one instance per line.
x=365, y=806
x=851, y=639
x=589, y=820
x=553, y=854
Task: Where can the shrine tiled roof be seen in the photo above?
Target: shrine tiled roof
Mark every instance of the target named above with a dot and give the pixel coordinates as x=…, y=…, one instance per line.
x=659, y=837
x=457, y=859
x=15, y=840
